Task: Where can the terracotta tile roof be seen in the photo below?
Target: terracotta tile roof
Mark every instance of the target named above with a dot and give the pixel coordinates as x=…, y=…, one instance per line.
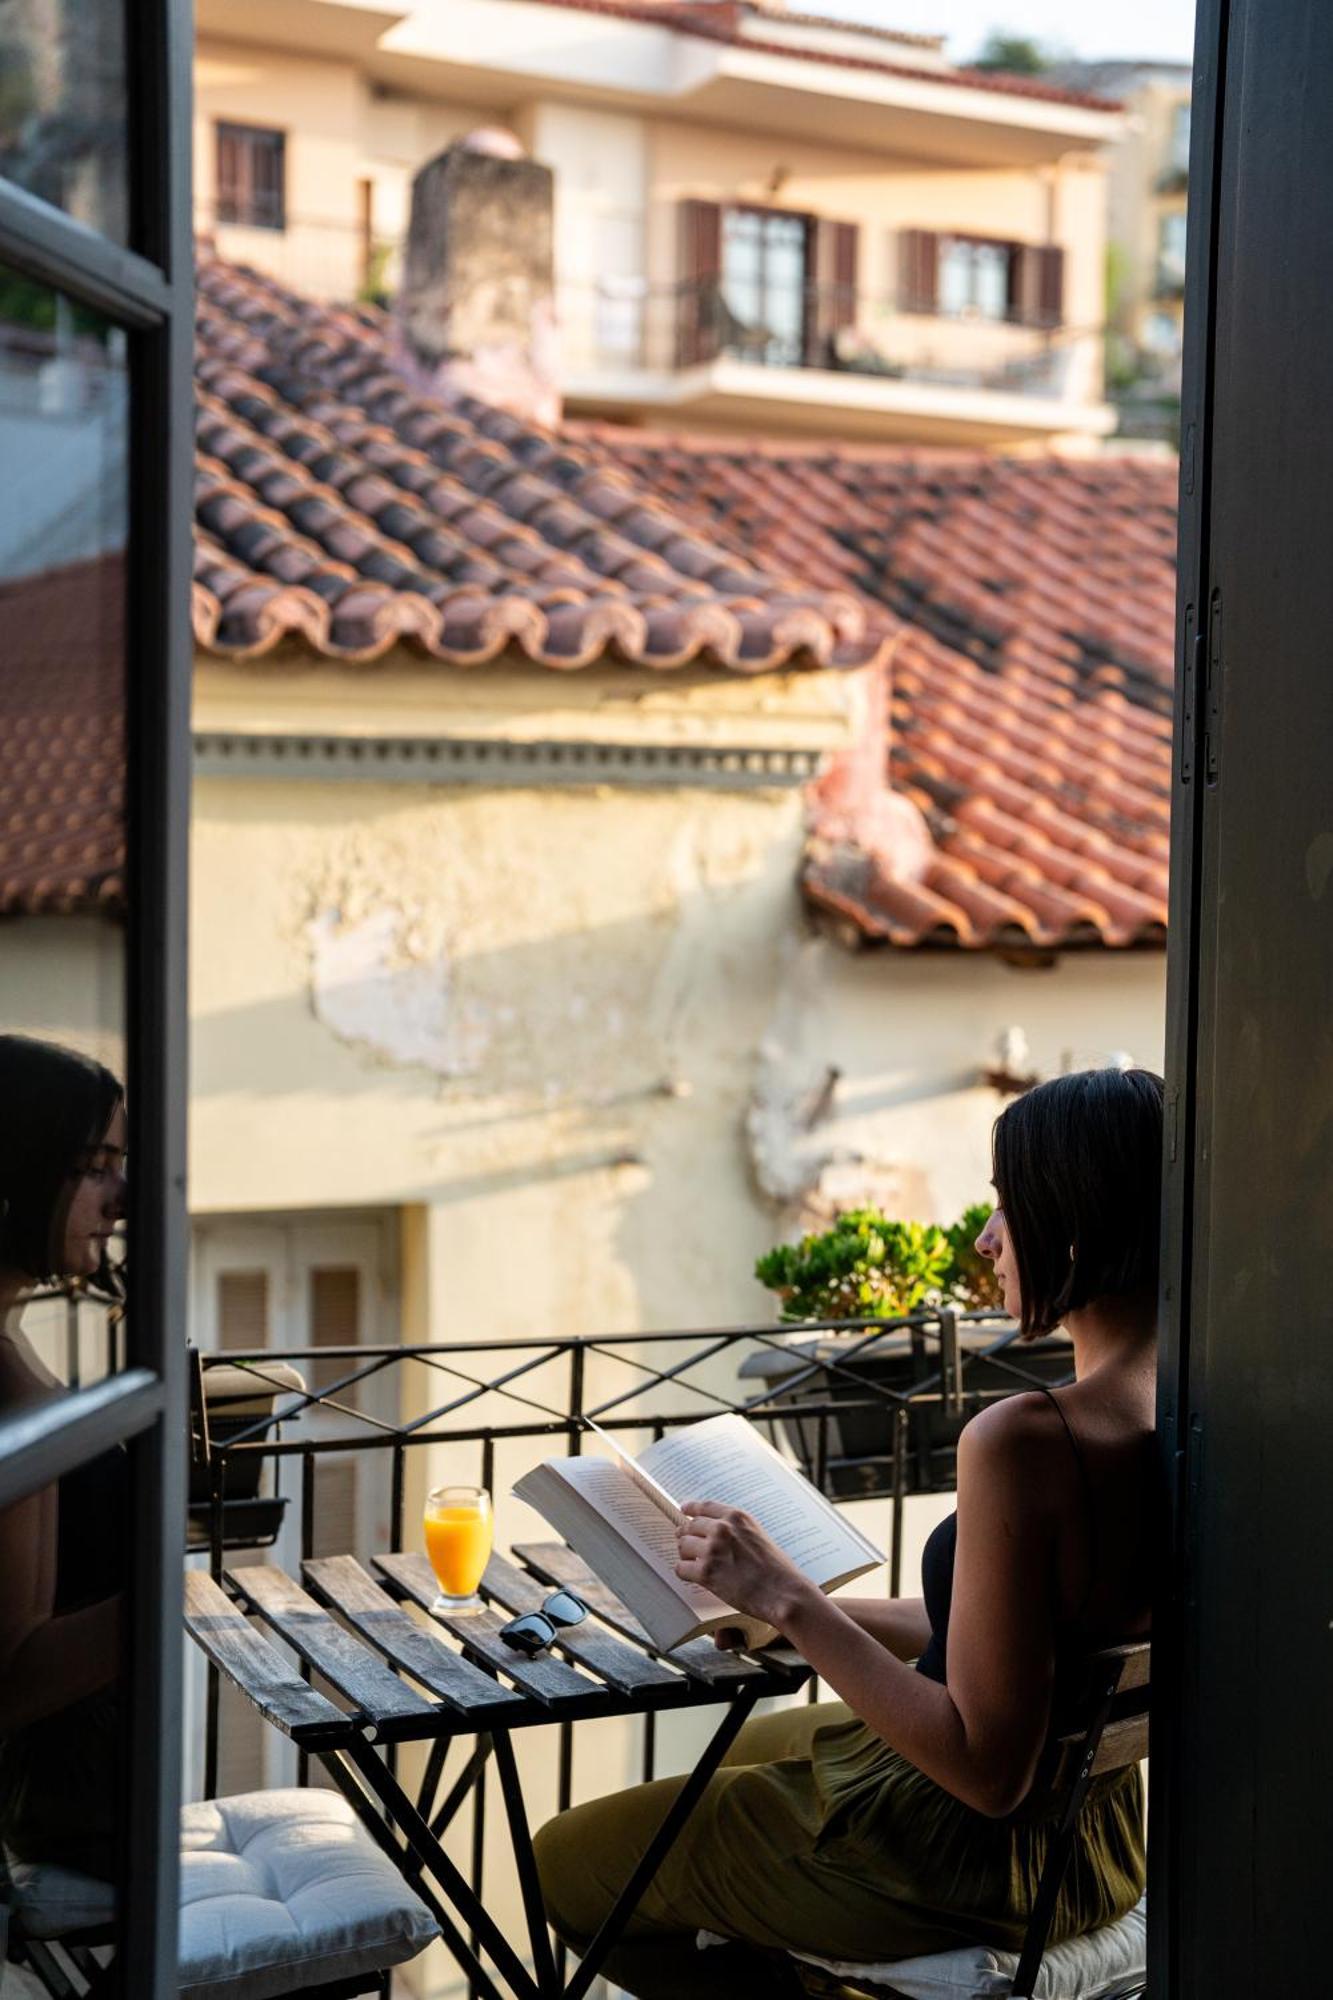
x=62, y=797
x=1027, y=732
x=340, y=509
x=721, y=24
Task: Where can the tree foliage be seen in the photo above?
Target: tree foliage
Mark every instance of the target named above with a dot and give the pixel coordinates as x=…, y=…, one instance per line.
x=1017, y=55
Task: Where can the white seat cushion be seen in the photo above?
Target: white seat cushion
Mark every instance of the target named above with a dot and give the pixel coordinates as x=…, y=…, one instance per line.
x=1100, y=1965
x=281, y=1890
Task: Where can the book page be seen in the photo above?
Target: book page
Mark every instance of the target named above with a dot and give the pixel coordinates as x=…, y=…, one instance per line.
x=638, y=1521
x=642, y=1478
x=724, y=1459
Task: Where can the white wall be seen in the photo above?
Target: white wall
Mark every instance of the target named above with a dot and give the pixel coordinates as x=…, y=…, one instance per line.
x=910, y=1034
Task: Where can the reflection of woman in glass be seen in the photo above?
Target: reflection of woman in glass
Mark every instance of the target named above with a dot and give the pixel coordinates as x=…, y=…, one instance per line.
x=62, y=1194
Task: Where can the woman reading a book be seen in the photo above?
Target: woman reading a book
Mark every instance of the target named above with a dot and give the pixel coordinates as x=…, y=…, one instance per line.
x=885, y=1825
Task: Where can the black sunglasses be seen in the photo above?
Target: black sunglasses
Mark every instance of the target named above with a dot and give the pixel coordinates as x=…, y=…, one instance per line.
x=534, y=1631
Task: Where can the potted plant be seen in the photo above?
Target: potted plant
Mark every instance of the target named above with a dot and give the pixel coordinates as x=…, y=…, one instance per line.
x=868, y=1265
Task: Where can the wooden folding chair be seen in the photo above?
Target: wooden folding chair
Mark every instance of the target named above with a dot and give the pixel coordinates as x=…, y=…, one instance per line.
x=1102, y=1728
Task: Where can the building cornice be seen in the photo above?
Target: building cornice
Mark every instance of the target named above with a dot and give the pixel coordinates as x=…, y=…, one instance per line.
x=498, y=761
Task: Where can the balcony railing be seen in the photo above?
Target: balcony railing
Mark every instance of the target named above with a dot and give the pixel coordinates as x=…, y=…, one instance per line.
x=615, y=327
x=870, y=1409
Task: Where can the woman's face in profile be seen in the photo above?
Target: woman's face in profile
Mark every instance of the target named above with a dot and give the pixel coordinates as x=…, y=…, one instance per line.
x=96, y=1202
x=993, y=1244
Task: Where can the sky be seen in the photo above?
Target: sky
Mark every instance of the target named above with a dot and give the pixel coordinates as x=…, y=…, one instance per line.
x=1161, y=29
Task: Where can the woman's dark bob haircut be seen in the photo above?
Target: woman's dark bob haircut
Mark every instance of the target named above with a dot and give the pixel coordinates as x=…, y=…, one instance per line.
x=1078, y=1173
x=55, y=1107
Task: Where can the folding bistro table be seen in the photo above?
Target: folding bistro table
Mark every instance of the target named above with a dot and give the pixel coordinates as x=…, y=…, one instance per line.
x=458, y=1680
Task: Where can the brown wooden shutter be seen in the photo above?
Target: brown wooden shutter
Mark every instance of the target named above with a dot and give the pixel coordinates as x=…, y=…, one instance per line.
x=698, y=292
x=1051, y=284
x=831, y=294
x=242, y=1310
x=918, y=270
x=228, y=174
x=1038, y=284
x=335, y=1321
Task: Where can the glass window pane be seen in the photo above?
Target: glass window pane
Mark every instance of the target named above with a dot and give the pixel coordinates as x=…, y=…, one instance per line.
x=64, y=1548
x=955, y=276
x=63, y=418
x=991, y=291
x=62, y=107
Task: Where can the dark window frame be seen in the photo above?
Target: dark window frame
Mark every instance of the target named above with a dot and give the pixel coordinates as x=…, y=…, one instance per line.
x=147, y=289
x=252, y=192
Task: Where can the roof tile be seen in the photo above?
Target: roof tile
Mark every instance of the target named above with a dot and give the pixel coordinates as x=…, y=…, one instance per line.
x=1030, y=702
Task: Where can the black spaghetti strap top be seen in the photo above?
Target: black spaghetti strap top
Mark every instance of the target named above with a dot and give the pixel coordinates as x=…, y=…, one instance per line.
x=941, y=1550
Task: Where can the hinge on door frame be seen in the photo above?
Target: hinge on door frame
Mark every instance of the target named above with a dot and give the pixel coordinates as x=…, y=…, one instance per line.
x=1212, y=730
x=1189, y=693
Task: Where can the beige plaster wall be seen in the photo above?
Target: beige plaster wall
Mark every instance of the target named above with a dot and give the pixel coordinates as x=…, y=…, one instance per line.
x=910, y=1034
x=340, y=133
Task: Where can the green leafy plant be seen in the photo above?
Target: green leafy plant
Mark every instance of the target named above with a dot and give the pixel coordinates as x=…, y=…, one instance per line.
x=972, y=1281
x=869, y=1266
x=865, y=1266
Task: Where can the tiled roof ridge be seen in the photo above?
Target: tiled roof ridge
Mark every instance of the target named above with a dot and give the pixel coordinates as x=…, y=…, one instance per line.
x=456, y=527
x=62, y=800
x=908, y=37
x=1022, y=795
x=997, y=81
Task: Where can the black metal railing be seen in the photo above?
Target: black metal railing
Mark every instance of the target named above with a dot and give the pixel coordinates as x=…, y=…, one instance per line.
x=869, y=1408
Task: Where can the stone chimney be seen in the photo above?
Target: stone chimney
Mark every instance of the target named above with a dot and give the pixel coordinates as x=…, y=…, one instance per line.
x=476, y=311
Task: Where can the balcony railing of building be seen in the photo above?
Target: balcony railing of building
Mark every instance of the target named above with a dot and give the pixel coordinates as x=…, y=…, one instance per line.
x=869, y=1409
x=624, y=326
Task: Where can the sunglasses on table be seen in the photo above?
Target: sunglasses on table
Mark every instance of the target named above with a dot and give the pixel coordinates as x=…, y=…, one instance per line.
x=533, y=1632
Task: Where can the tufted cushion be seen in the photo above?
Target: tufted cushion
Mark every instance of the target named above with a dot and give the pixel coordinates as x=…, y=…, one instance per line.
x=281, y=1890
x=1100, y=1965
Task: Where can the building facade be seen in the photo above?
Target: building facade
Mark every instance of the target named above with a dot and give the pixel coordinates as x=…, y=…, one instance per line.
x=1147, y=188
x=934, y=271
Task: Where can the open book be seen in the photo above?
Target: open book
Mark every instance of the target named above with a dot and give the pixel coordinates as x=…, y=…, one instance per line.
x=621, y=1513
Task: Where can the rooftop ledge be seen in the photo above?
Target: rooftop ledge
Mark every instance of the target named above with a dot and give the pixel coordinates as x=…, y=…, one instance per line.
x=868, y=406
x=479, y=50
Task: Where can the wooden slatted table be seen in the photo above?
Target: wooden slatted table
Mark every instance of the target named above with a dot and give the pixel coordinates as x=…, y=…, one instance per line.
x=393, y=1678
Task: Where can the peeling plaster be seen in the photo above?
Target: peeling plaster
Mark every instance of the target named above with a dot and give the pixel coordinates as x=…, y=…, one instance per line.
x=794, y=1111
x=375, y=983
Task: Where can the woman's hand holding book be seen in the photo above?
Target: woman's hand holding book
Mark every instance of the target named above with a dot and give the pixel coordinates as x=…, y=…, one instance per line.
x=725, y=1549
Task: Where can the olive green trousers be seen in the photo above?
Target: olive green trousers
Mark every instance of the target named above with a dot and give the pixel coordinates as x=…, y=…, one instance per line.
x=815, y=1836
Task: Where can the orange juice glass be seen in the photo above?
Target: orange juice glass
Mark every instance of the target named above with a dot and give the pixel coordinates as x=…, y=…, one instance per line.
x=458, y=1530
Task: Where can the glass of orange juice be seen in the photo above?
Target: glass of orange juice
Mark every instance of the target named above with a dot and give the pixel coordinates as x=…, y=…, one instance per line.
x=457, y=1527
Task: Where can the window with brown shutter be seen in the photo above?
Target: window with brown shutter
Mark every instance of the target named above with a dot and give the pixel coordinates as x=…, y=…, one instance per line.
x=769, y=285
x=251, y=176
x=980, y=277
